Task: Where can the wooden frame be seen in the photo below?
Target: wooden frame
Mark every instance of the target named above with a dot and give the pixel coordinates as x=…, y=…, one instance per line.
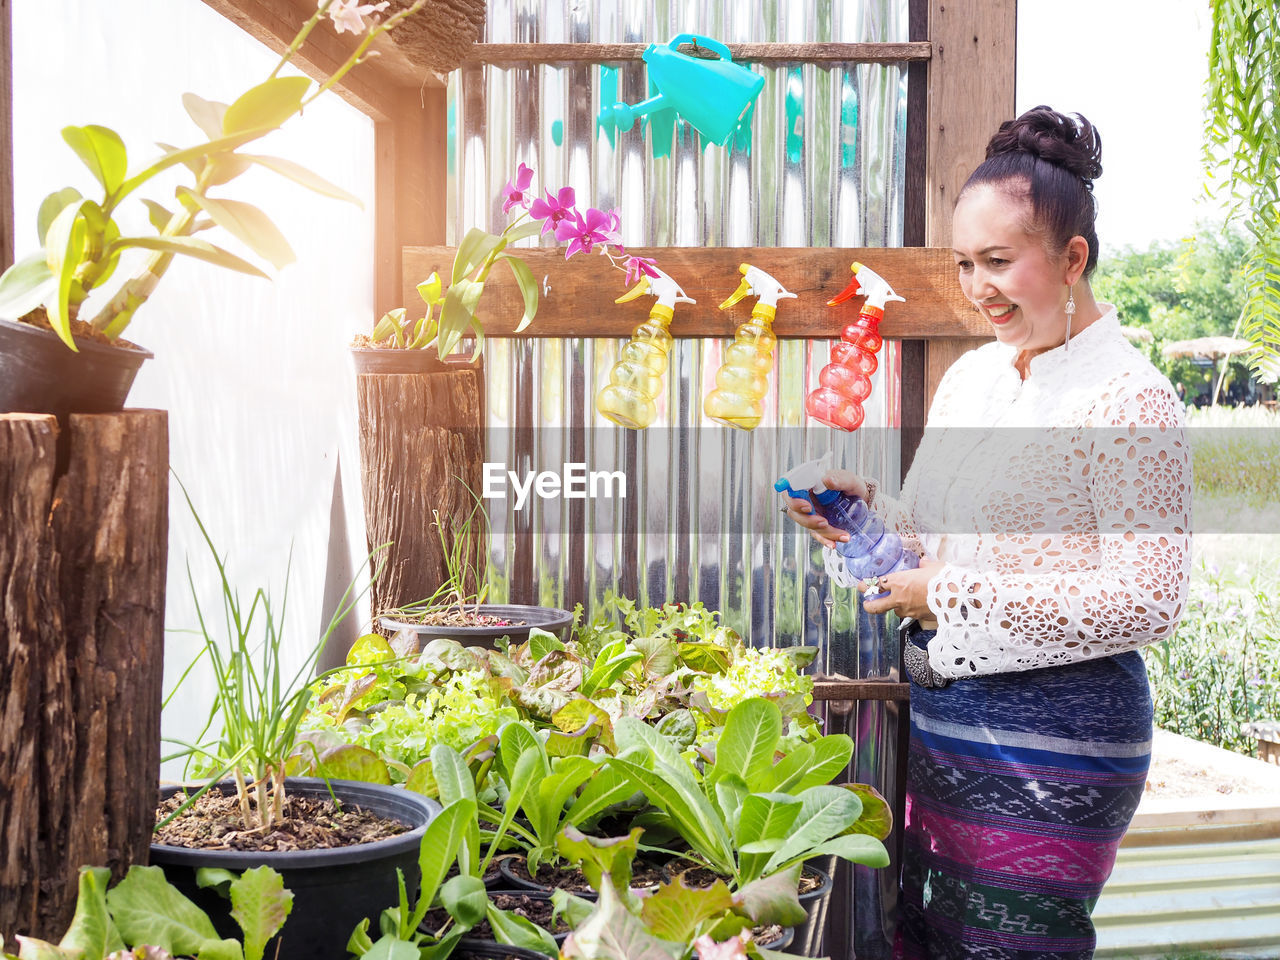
x=7, y=253
x=578, y=295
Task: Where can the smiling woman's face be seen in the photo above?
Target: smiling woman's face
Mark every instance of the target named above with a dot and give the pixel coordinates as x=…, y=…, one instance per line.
x=1007, y=272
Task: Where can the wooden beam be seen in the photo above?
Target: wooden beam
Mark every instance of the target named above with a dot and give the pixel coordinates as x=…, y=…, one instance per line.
x=578, y=295
x=971, y=79
x=410, y=186
x=371, y=87
x=510, y=53
x=914, y=354
x=7, y=254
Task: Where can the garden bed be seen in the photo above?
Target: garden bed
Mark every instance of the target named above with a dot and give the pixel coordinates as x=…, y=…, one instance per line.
x=1194, y=785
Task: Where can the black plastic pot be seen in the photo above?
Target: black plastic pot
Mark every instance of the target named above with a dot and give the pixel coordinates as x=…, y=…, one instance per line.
x=514, y=879
x=334, y=889
x=524, y=618
x=479, y=948
x=808, y=939
x=468, y=949
x=41, y=374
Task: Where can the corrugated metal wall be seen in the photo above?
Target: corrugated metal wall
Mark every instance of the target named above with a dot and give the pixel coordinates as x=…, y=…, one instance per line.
x=825, y=168
x=700, y=520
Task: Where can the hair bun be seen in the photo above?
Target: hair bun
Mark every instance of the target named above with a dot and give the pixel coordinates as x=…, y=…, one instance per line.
x=1065, y=141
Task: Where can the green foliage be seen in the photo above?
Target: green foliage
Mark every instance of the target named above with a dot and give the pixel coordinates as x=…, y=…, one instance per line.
x=1242, y=137
x=1221, y=668
x=257, y=708
x=82, y=242
x=1178, y=290
x=748, y=817
x=463, y=896
x=145, y=914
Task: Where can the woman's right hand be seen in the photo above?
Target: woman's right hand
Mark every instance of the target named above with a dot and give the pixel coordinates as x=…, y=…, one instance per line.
x=801, y=511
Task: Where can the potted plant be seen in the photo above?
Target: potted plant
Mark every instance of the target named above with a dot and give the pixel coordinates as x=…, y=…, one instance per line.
x=421, y=401
x=457, y=609
x=675, y=921
x=751, y=818
x=336, y=842
x=60, y=345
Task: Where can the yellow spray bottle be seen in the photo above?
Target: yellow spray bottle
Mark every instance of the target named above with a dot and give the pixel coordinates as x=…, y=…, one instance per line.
x=743, y=377
x=636, y=379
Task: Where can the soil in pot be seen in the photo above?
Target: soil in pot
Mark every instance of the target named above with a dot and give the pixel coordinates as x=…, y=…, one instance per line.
x=645, y=874
x=697, y=877
x=538, y=909
x=213, y=822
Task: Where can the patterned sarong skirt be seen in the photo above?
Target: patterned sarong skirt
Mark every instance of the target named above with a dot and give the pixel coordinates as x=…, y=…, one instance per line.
x=1019, y=789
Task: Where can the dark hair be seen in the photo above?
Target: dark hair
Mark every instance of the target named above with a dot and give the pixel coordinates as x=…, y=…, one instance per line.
x=1058, y=157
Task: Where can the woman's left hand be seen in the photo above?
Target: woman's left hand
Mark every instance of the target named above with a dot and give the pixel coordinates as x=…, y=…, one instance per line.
x=908, y=592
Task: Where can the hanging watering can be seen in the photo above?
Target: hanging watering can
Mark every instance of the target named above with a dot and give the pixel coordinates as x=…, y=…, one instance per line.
x=712, y=95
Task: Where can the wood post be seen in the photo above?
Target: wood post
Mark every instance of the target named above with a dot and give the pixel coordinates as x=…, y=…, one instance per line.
x=83, y=561
x=421, y=438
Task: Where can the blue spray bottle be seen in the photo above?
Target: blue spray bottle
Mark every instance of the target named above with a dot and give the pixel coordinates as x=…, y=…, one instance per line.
x=872, y=550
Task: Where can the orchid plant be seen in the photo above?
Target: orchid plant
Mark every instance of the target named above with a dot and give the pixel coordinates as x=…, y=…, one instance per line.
x=451, y=313
x=83, y=243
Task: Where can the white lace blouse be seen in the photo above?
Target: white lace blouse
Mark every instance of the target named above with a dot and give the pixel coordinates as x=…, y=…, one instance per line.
x=1060, y=505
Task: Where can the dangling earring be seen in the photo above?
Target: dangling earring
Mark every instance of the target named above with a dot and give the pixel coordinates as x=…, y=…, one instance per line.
x=1070, y=307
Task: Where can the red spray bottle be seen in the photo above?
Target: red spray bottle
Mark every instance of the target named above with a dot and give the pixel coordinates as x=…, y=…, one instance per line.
x=846, y=381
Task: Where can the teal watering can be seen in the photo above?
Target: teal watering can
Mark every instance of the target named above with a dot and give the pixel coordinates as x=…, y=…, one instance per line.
x=712, y=95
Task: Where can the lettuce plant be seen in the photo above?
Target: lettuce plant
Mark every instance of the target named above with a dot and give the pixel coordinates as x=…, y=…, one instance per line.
x=147, y=918
x=669, y=923
x=748, y=817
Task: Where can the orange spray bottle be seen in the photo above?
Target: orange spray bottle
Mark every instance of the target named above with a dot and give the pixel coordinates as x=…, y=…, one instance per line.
x=743, y=377
x=846, y=381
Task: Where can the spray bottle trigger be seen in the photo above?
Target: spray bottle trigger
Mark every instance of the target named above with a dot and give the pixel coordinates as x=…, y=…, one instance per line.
x=743, y=289
x=639, y=290
x=848, y=292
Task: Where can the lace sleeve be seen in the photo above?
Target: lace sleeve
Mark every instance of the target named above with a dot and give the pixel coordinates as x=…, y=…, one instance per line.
x=1114, y=582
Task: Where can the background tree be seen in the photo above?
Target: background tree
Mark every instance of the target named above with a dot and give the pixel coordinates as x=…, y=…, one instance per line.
x=1178, y=290
x=1242, y=141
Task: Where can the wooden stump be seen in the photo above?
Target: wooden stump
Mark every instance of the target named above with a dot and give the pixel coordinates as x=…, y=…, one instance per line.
x=421, y=437
x=82, y=578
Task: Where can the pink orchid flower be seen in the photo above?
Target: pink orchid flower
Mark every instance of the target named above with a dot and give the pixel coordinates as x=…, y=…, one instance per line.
x=638, y=267
x=584, y=232
x=731, y=949
x=513, y=194
x=350, y=14
x=554, y=209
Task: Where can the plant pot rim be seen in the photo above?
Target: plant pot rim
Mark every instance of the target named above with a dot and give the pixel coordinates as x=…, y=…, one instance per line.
x=403, y=804
x=400, y=361
x=545, y=618
x=93, y=347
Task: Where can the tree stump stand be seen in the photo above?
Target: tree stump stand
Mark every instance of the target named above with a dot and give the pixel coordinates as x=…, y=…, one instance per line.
x=421, y=447
x=83, y=561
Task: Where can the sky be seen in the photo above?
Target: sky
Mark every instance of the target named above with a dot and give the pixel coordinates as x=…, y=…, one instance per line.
x=1136, y=69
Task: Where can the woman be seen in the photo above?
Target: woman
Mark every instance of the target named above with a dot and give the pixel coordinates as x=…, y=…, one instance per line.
x=1050, y=497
